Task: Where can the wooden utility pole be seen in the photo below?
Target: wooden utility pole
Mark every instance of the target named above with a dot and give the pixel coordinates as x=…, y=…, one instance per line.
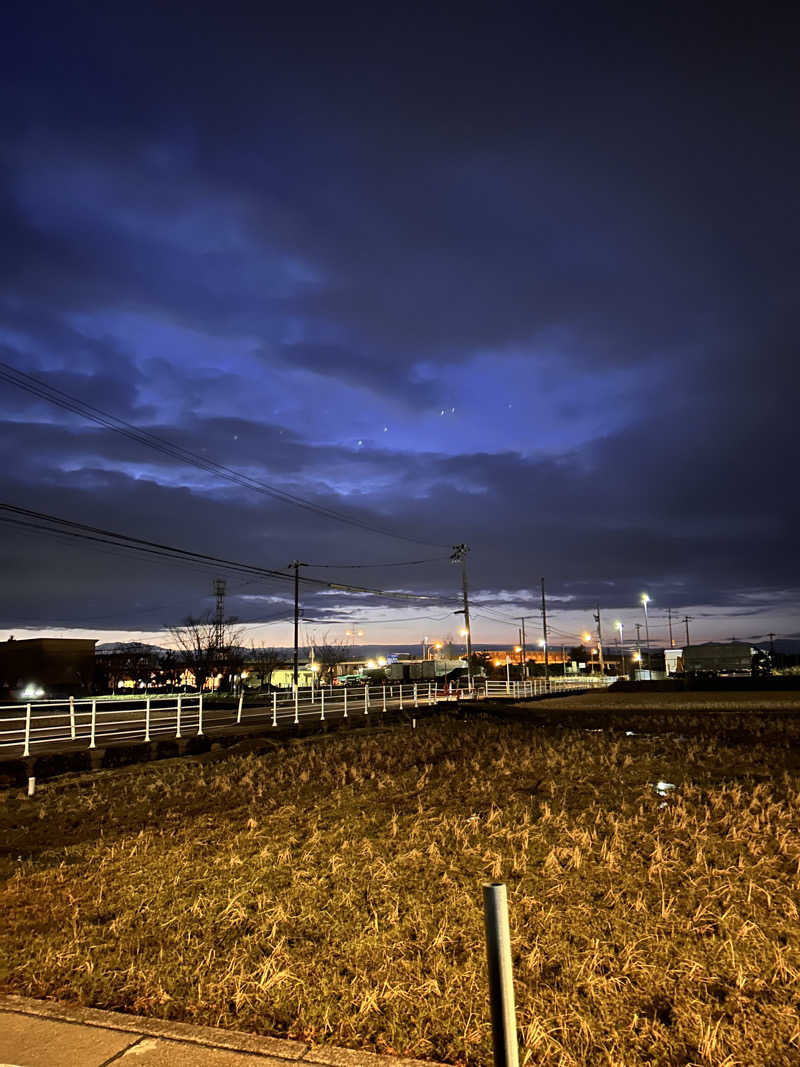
x=544, y=634
x=599, y=640
x=297, y=565
x=459, y=555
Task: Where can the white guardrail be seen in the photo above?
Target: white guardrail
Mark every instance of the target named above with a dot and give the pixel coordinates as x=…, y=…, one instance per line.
x=96, y=721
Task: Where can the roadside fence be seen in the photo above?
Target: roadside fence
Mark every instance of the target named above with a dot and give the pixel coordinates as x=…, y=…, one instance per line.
x=93, y=722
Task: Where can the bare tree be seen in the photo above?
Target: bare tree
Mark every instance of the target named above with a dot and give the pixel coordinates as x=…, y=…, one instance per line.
x=448, y=649
x=329, y=654
x=206, y=649
x=266, y=660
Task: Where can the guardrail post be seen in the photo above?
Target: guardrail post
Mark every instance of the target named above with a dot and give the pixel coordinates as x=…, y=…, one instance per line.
x=147, y=719
x=322, y=704
x=430, y=697
x=200, y=717
x=239, y=711
x=94, y=724
x=345, y=703
x=72, y=717
x=416, y=704
x=27, y=751
x=501, y=979
x=178, y=717
x=275, y=709
x=400, y=687
x=296, y=699
x=366, y=699
x=383, y=690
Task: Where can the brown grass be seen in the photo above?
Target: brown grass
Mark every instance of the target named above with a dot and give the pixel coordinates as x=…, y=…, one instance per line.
x=330, y=890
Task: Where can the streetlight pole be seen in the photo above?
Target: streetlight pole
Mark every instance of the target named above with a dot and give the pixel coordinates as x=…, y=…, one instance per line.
x=645, y=602
x=619, y=628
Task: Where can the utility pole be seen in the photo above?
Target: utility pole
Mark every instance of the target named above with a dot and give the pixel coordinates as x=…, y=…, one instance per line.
x=219, y=618
x=544, y=635
x=686, y=620
x=669, y=618
x=599, y=640
x=522, y=649
x=297, y=565
x=459, y=555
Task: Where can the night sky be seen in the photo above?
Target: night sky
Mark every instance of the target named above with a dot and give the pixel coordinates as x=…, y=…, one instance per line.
x=524, y=281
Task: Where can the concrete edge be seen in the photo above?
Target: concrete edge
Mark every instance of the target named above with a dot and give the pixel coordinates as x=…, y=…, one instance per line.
x=190, y=1033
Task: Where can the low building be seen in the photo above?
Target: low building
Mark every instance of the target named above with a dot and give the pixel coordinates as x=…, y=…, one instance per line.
x=39, y=667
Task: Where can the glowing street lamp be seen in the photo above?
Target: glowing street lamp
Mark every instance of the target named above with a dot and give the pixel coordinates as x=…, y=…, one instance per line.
x=645, y=602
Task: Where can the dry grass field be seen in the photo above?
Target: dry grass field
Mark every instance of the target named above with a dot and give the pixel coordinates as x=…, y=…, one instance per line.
x=330, y=889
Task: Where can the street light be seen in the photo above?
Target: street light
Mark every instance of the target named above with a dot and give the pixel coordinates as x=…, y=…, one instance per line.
x=645, y=602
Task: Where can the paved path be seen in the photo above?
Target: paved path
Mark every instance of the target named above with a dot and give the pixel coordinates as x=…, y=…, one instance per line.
x=43, y=1033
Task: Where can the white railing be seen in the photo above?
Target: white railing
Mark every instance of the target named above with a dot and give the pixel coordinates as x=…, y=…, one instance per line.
x=94, y=722
x=62, y=725
x=537, y=687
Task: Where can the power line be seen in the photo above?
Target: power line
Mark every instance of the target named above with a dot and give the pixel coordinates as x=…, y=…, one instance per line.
x=36, y=387
x=37, y=520
x=353, y=566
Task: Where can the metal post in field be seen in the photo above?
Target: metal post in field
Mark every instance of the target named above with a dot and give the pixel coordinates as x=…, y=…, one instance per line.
x=178, y=717
x=31, y=786
x=147, y=719
x=345, y=703
x=239, y=711
x=383, y=692
x=416, y=703
x=501, y=979
x=366, y=699
x=274, y=709
x=200, y=716
x=27, y=751
x=322, y=703
x=401, y=695
x=72, y=717
x=296, y=709
x=93, y=728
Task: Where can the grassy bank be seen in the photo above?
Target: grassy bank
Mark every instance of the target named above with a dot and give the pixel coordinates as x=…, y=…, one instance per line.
x=330, y=890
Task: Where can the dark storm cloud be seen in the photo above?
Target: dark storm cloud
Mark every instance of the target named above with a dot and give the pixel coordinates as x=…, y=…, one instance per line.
x=274, y=242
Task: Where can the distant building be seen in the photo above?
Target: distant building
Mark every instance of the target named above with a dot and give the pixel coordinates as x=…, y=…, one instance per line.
x=673, y=660
x=47, y=666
